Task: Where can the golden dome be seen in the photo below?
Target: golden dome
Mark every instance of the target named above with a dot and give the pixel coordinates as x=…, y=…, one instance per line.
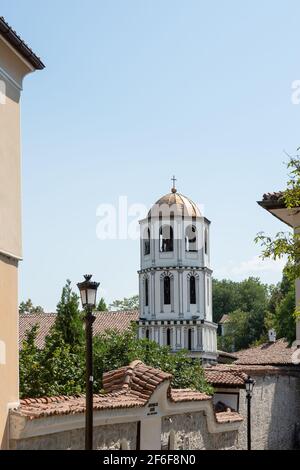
x=176, y=203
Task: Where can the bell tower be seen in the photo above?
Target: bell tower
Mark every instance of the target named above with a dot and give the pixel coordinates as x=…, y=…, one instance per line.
x=175, y=277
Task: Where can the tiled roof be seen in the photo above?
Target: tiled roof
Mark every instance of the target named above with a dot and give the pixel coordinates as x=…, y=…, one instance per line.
x=178, y=395
x=120, y=321
x=33, y=408
x=278, y=353
x=275, y=196
x=228, y=417
x=222, y=376
x=127, y=387
x=14, y=40
x=224, y=319
x=137, y=379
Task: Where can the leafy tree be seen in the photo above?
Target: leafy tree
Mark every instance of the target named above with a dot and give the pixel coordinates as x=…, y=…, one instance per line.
x=249, y=295
x=102, y=307
x=226, y=298
x=286, y=243
x=31, y=376
x=28, y=308
x=285, y=325
x=113, y=350
x=237, y=332
x=64, y=366
x=53, y=370
x=69, y=319
x=128, y=303
x=57, y=369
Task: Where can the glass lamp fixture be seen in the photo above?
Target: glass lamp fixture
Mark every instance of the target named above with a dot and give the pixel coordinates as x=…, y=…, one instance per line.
x=88, y=291
x=249, y=384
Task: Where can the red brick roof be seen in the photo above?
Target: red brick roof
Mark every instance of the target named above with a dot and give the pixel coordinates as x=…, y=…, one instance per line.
x=187, y=394
x=220, y=375
x=120, y=321
x=228, y=417
x=127, y=387
x=278, y=353
x=14, y=40
x=137, y=379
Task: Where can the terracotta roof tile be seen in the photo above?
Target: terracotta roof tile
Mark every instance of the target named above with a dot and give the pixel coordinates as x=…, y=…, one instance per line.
x=220, y=376
x=186, y=394
x=120, y=321
x=275, y=196
x=228, y=417
x=278, y=353
x=127, y=387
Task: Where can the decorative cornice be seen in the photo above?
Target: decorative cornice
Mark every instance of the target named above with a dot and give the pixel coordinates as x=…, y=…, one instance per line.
x=175, y=268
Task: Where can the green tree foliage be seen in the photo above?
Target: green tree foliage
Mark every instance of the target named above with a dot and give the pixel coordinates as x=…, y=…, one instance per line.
x=128, y=303
x=249, y=295
x=286, y=243
x=57, y=369
x=246, y=303
x=28, y=308
x=69, y=322
x=257, y=308
x=226, y=298
x=237, y=332
x=113, y=350
x=102, y=307
x=281, y=307
x=31, y=378
x=53, y=370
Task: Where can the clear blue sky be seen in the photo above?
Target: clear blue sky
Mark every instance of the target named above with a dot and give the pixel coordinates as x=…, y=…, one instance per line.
x=134, y=92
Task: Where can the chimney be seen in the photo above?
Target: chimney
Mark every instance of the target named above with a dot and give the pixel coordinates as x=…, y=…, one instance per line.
x=272, y=335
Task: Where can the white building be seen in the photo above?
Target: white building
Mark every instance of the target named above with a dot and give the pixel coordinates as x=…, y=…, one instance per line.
x=175, y=277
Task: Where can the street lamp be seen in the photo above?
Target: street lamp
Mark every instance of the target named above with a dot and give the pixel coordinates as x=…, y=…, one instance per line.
x=88, y=294
x=249, y=384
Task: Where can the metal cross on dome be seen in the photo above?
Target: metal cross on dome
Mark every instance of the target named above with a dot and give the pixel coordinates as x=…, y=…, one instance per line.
x=174, y=184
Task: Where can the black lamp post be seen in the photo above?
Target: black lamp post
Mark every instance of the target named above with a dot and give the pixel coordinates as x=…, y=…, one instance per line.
x=249, y=384
x=88, y=294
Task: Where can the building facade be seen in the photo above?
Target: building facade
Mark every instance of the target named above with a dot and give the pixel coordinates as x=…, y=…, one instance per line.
x=175, y=277
x=16, y=61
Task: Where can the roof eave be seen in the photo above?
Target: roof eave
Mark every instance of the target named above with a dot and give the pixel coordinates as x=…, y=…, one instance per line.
x=19, y=45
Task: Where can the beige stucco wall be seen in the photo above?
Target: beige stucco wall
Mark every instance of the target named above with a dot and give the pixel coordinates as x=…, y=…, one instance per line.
x=12, y=70
x=104, y=437
x=9, y=383
x=11, y=73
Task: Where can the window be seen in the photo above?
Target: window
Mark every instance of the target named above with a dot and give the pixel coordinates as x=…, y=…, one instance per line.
x=189, y=339
x=147, y=242
x=168, y=337
x=167, y=290
x=191, y=238
x=192, y=290
x=166, y=238
x=206, y=241
x=146, y=292
x=147, y=333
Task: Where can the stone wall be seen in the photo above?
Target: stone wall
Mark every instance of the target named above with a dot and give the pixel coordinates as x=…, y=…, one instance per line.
x=189, y=432
x=275, y=423
x=275, y=412
x=105, y=437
